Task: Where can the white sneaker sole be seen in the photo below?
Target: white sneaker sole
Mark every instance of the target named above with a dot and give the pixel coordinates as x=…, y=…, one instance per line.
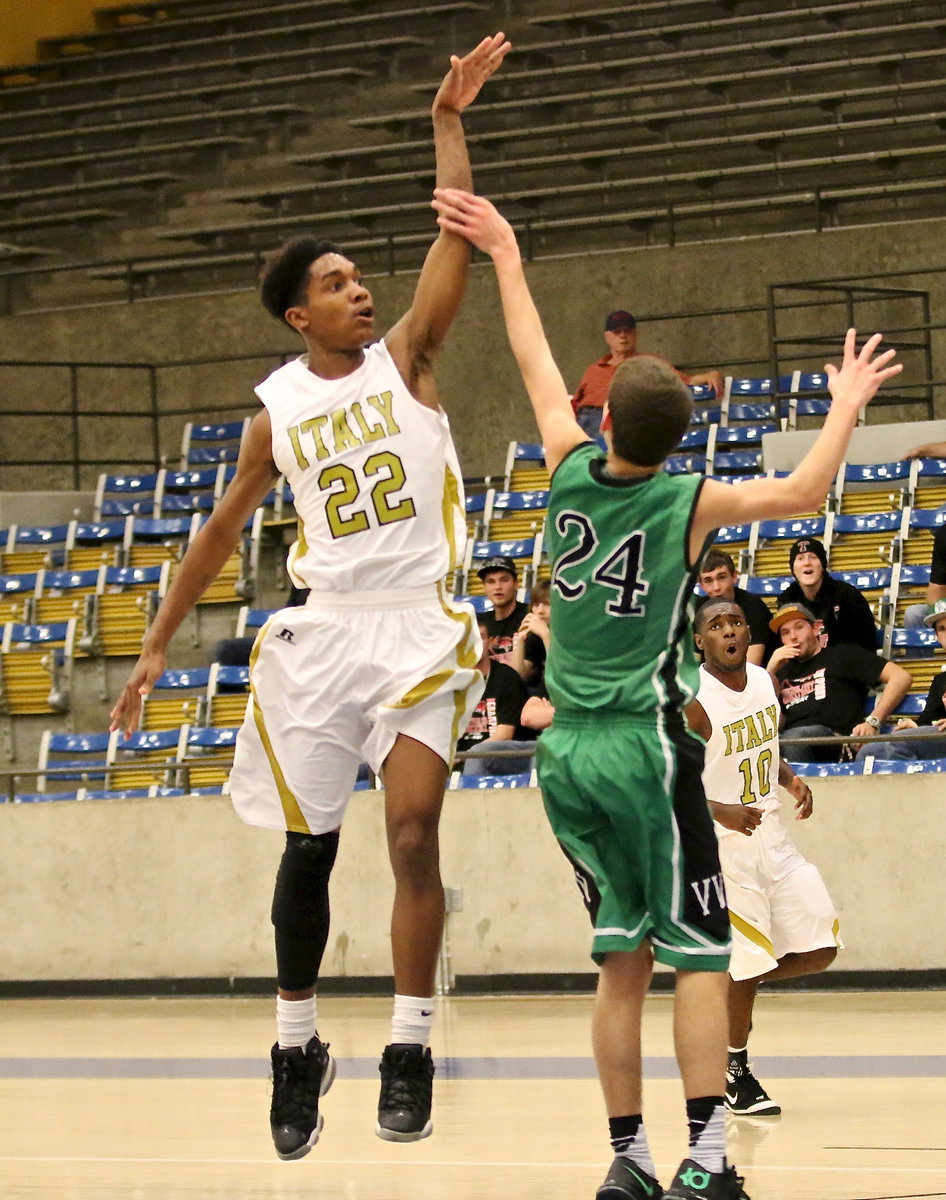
x=392, y=1135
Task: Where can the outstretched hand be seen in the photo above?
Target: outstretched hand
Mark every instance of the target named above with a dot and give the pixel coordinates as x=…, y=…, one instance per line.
x=860, y=375
x=127, y=711
x=462, y=83
x=474, y=218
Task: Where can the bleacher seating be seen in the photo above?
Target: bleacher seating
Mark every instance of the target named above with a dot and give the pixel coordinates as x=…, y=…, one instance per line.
x=68, y=758
x=32, y=547
x=178, y=697
x=227, y=690
x=914, y=650
x=175, y=110
x=208, y=443
x=124, y=495
x=145, y=757
x=122, y=607
x=36, y=665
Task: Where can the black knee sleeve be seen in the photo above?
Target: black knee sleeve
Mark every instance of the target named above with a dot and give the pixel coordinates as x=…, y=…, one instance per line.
x=300, y=911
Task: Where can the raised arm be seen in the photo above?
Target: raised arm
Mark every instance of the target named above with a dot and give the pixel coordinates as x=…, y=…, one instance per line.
x=419, y=333
x=852, y=386
x=200, y=566
x=476, y=219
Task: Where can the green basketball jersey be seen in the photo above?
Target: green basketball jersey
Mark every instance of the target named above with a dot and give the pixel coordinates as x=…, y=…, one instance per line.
x=621, y=589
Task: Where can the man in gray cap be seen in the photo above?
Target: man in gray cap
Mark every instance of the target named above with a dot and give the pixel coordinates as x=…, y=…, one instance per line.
x=620, y=335
x=924, y=737
x=823, y=690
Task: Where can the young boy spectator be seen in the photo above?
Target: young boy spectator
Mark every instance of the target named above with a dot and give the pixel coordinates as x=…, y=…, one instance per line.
x=530, y=642
x=843, y=612
x=823, y=690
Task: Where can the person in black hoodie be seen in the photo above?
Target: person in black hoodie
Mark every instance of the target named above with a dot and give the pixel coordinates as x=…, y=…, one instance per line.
x=845, y=615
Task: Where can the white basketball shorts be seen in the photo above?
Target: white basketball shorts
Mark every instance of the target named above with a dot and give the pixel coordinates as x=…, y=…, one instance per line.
x=333, y=683
x=778, y=902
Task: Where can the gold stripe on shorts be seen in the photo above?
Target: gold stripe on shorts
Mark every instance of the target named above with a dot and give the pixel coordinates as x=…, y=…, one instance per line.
x=295, y=821
x=751, y=933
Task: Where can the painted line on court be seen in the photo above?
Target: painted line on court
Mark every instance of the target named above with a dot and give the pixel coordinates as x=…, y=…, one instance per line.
x=842, y=1066
x=440, y=1164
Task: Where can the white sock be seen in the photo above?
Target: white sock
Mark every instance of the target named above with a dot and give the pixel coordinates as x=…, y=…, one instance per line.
x=708, y=1146
x=412, y=1021
x=295, y=1022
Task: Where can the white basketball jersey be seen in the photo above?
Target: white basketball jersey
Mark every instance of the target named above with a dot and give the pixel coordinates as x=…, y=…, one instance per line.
x=374, y=476
x=742, y=753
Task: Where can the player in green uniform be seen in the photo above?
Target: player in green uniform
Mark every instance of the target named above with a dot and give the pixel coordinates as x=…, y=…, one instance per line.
x=619, y=772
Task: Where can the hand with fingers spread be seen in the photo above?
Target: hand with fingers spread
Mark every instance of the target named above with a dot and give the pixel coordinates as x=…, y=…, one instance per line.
x=474, y=218
x=855, y=382
x=462, y=83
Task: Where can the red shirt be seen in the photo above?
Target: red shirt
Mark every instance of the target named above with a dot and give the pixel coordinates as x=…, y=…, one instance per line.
x=592, y=390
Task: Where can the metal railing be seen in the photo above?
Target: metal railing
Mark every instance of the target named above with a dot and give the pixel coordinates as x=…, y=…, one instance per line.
x=178, y=770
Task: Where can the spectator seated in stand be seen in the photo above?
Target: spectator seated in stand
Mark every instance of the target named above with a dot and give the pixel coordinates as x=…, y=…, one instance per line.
x=530, y=642
x=718, y=578
x=914, y=616
x=844, y=614
x=620, y=334
x=501, y=583
x=495, y=724
x=926, y=736
x=823, y=689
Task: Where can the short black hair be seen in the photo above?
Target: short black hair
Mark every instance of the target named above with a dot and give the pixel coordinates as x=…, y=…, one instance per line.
x=705, y=612
x=650, y=408
x=285, y=272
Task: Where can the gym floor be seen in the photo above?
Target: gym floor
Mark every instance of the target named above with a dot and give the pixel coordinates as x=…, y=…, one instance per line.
x=167, y=1099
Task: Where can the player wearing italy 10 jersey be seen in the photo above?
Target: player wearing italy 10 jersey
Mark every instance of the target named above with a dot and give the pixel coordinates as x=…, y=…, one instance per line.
x=619, y=771
x=783, y=922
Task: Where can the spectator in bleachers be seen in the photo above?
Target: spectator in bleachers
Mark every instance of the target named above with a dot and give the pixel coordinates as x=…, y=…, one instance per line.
x=823, y=689
x=845, y=616
x=620, y=334
x=914, y=616
x=718, y=579
x=501, y=583
x=530, y=642
x=495, y=723
x=926, y=736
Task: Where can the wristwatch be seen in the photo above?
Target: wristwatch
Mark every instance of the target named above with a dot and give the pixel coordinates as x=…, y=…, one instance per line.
x=872, y=721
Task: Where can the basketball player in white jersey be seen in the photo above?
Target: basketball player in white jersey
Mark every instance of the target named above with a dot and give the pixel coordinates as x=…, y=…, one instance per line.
x=783, y=922
x=379, y=665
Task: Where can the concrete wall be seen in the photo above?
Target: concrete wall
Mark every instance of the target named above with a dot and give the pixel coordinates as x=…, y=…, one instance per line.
x=479, y=380
x=179, y=888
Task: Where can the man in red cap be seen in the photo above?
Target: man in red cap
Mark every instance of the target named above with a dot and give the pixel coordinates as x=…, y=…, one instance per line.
x=620, y=334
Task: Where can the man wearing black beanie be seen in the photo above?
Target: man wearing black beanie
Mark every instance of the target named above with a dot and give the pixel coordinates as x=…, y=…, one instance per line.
x=841, y=608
